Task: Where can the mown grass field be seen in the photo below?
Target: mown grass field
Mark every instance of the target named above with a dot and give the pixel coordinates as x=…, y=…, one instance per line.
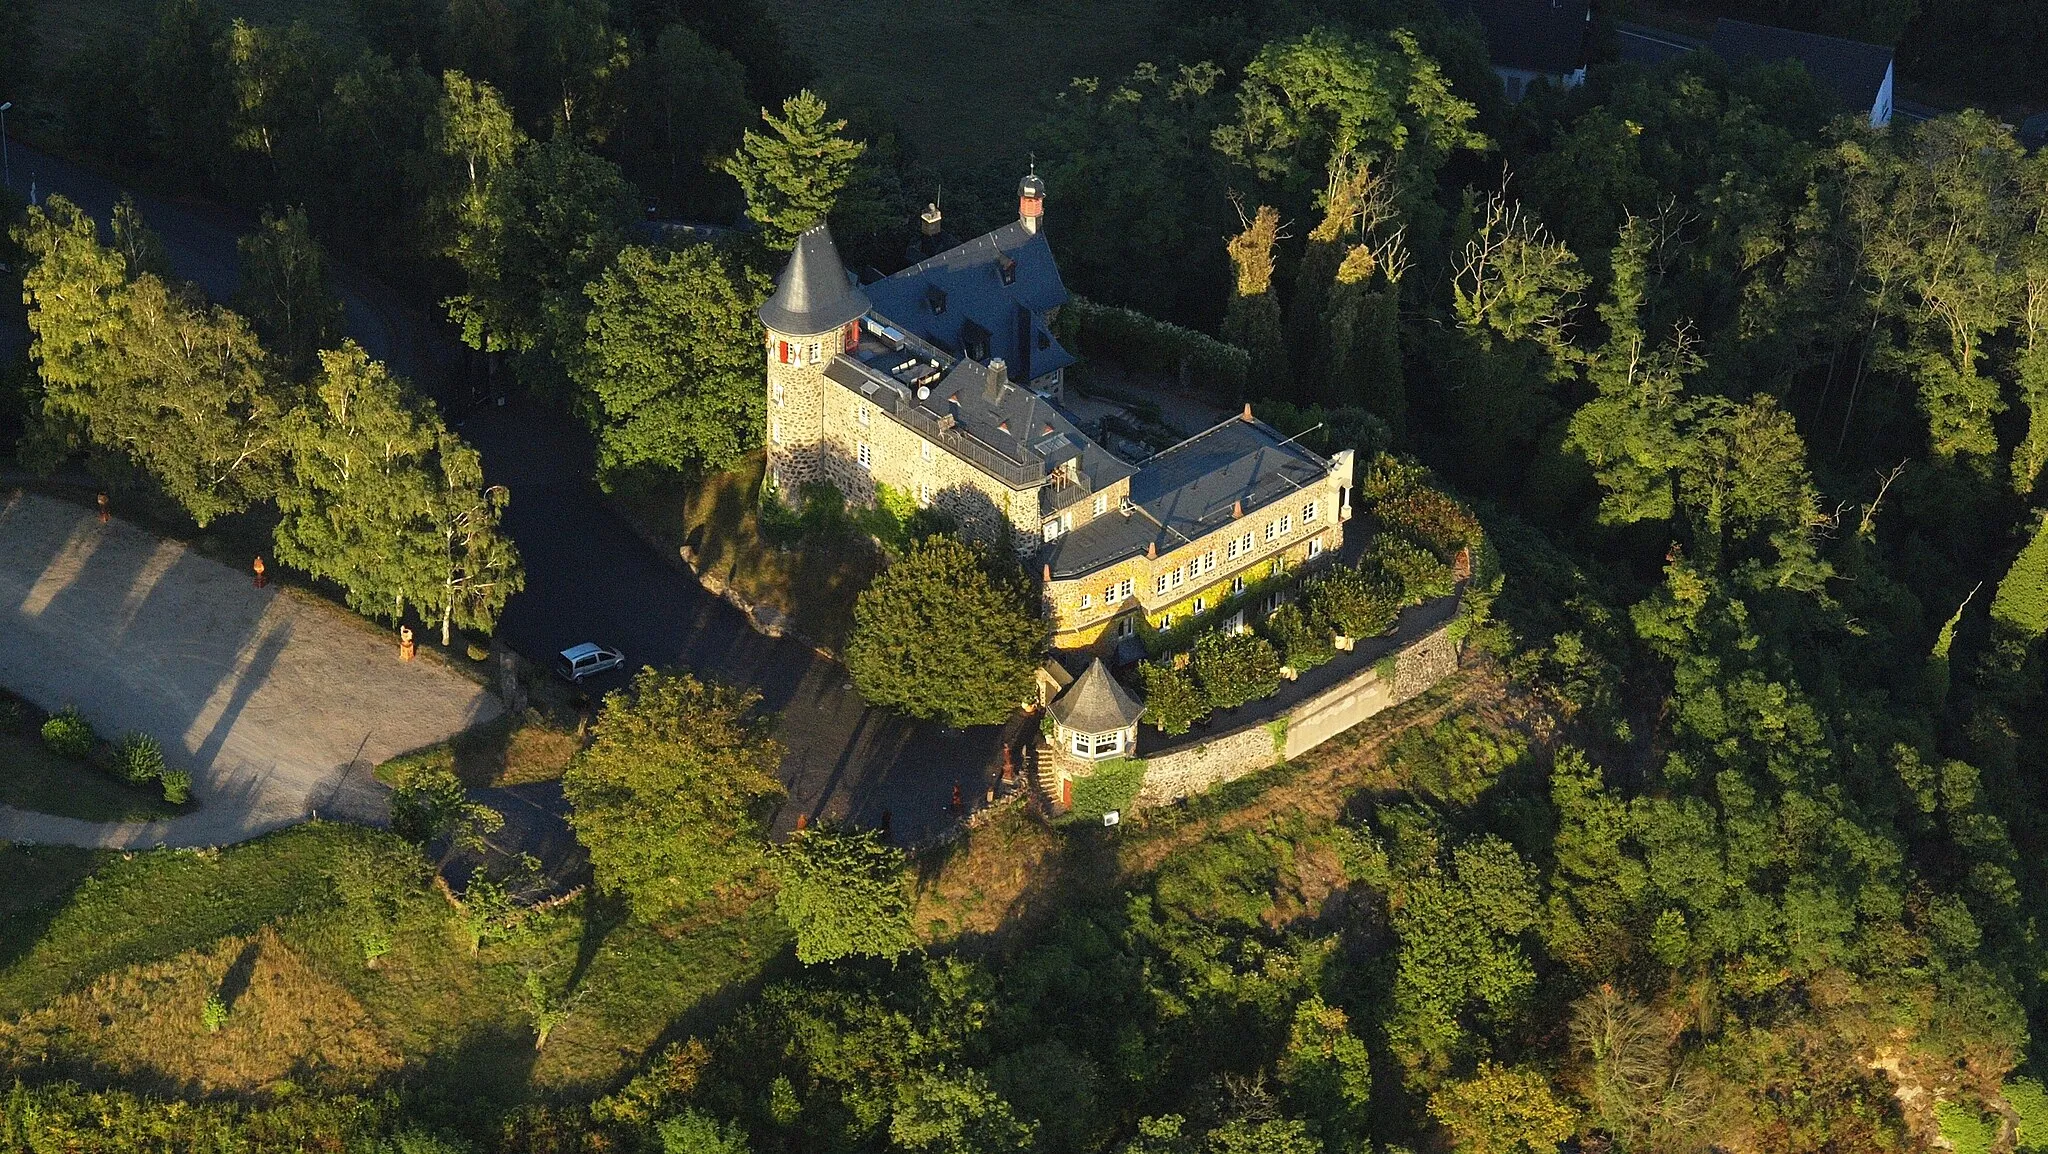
x=965, y=77
x=107, y=962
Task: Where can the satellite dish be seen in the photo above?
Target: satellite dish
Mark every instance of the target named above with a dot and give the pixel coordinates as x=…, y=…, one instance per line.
x=924, y=392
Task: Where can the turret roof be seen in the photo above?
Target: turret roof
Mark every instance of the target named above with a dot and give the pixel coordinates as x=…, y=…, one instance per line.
x=814, y=294
x=1096, y=703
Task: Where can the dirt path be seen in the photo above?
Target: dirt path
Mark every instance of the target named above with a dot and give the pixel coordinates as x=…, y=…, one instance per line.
x=278, y=704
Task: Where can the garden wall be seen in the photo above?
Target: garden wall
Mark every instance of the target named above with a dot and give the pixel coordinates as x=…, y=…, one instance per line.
x=1255, y=744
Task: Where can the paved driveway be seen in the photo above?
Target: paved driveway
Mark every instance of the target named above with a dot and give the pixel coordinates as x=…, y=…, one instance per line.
x=278, y=704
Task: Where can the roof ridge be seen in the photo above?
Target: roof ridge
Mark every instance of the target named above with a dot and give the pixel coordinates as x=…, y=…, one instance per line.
x=1890, y=48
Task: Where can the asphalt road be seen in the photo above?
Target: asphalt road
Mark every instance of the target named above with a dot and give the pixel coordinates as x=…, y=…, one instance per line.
x=589, y=576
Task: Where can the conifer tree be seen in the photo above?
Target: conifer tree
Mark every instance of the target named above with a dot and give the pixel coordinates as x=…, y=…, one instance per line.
x=792, y=173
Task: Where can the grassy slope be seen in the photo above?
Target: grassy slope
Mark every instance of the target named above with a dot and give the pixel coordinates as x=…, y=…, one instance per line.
x=107, y=962
x=964, y=77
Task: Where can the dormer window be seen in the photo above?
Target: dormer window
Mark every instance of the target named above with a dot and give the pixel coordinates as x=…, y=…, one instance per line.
x=935, y=297
x=1006, y=267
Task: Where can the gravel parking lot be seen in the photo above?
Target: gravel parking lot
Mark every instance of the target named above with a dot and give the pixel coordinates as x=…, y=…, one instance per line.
x=278, y=703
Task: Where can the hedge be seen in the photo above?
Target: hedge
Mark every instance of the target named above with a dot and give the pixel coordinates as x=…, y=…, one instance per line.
x=1144, y=344
x=1110, y=788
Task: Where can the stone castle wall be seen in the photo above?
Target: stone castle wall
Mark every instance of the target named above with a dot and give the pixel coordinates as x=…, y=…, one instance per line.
x=1253, y=745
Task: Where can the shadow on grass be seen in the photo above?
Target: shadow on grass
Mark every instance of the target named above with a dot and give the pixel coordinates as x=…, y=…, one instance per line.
x=235, y=982
x=40, y=882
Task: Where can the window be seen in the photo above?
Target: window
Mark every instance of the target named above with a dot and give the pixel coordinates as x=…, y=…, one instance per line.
x=1308, y=512
x=1209, y=561
x=1230, y=551
x=775, y=392
x=1101, y=504
x=816, y=348
x=1275, y=570
x=1098, y=746
x=1124, y=591
x=866, y=455
x=1201, y=604
x=1179, y=575
x=1286, y=524
x=1272, y=530
x=1237, y=585
x=1109, y=596
x=1165, y=621
x=1244, y=543
x=1161, y=587
x=1050, y=530
x=861, y=412
x=924, y=449
x=1124, y=627
x=1315, y=547
x=782, y=353
x=1087, y=600
x=924, y=495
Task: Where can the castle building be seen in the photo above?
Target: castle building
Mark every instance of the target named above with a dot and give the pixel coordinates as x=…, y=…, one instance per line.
x=941, y=385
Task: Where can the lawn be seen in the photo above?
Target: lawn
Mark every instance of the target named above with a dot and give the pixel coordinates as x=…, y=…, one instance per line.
x=31, y=777
x=108, y=961
x=505, y=750
x=718, y=519
x=966, y=77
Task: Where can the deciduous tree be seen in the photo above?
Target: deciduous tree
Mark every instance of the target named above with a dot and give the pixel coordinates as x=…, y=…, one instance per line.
x=843, y=894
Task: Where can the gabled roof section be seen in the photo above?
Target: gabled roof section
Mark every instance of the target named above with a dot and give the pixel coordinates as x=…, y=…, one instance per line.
x=1237, y=467
x=1096, y=703
x=1852, y=70
x=1547, y=36
x=814, y=295
x=986, y=299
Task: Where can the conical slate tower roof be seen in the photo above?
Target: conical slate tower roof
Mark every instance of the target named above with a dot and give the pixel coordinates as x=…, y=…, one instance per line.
x=813, y=295
x=1095, y=703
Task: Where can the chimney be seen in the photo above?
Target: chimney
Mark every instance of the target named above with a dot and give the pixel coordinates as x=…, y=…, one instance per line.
x=1236, y=509
x=1247, y=410
x=933, y=219
x=1031, y=199
x=1048, y=574
x=1152, y=550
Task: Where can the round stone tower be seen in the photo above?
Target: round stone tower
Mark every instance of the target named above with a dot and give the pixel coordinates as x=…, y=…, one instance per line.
x=813, y=316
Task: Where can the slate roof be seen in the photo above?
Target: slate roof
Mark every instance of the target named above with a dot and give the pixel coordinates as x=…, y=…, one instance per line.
x=1653, y=47
x=959, y=301
x=976, y=412
x=814, y=294
x=1096, y=703
x=1547, y=36
x=1854, y=71
x=1192, y=489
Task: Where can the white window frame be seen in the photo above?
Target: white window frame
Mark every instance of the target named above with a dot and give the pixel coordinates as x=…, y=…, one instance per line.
x=1125, y=626
x=1050, y=531
x=1245, y=543
x=861, y=412
x=1087, y=600
x=865, y=454
x=1315, y=547
x=1286, y=524
x=1201, y=604
x=1231, y=550
x=1125, y=590
x=1109, y=594
x=1159, y=584
x=1237, y=584
x=924, y=495
x=775, y=431
x=1165, y=622
x=1101, y=504
x=817, y=352
x=1308, y=512
x=775, y=392
x=924, y=449
x=1179, y=576
x=1272, y=530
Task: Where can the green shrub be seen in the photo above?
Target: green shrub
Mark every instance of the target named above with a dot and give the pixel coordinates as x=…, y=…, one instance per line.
x=177, y=786
x=2029, y=1099
x=215, y=1015
x=1111, y=787
x=1968, y=1129
x=1348, y=602
x=1409, y=567
x=1235, y=669
x=476, y=652
x=69, y=736
x=1148, y=345
x=138, y=758
x=1173, y=701
x=1301, y=642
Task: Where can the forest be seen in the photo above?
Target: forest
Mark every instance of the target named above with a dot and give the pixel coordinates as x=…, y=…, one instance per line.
x=1726, y=836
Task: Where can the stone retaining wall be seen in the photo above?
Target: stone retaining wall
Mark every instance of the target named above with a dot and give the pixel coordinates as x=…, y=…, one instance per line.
x=1255, y=745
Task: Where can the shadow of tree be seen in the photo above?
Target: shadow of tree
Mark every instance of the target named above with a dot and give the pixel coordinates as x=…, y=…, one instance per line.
x=235, y=982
